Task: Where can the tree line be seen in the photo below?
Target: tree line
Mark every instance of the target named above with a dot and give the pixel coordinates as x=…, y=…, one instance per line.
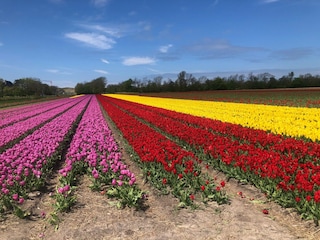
x=183, y=82
x=27, y=87
x=96, y=86
x=187, y=82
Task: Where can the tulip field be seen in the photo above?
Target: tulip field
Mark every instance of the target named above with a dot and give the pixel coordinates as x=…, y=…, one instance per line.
x=70, y=134
x=173, y=141
x=275, y=148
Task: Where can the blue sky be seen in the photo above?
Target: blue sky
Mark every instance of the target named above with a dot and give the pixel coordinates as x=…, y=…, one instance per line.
x=71, y=41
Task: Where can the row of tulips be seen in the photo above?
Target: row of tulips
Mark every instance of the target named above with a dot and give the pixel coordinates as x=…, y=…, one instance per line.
x=284, y=168
x=93, y=150
x=12, y=102
x=168, y=167
x=10, y=116
x=307, y=97
x=14, y=131
x=304, y=150
x=25, y=166
x=297, y=122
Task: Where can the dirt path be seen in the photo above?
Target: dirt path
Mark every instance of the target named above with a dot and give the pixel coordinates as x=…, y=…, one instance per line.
x=95, y=217
x=242, y=219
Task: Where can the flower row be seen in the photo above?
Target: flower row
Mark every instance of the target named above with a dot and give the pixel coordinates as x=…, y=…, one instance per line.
x=94, y=150
x=166, y=165
x=24, y=166
x=291, y=177
x=307, y=97
x=273, y=142
x=8, y=117
x=289, y=121
x=11, y=132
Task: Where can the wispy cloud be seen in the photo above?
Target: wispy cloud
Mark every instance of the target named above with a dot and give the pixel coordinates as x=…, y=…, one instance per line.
x=215, y=2
x=1, y=44
x=52, y=70
x=131, y=61
x=105, y=61
x=154, y=70
x=219, y=48
x=103, y=37
x=57, y=71
x=292, y=53
x=132, y=13
x=111, y=31
x=101, y=71
x=164, y=49
x=92, y=39
x=100, y=3
x=166, y=55
x=270, y=1
x=145, y=26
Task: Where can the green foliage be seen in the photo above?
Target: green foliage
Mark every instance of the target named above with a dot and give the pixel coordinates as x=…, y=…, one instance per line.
x=96, y=86
x=64, y=201
x=27, y=87
x=130, y=196
x=188, y=82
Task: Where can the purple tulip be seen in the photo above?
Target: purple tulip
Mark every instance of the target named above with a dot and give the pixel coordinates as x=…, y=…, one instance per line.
x=21, y=200
x=114, y=182
x=15, y=197
x=61, y=190
x=66, y=188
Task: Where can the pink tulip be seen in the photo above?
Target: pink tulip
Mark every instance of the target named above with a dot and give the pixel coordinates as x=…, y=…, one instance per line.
x=21, y=200
x=15, y=197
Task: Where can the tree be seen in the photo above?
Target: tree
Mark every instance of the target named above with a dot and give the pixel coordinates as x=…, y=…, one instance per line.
x=219, y=84
x=79, y=88
x=158, y=81
x=96, y=86
x=126, y=86
x=186, y=82
x=28, y=86
x=182, y=81
x=2, y=85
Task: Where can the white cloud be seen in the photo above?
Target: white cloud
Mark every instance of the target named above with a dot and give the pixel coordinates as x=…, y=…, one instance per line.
x=154, y=70
x=108, y=30
x=101, y=71
x=118, y=30
x=57, y=71
x=93, y=39
x=105, y=61
x=131, y=61
x=52, y=70
x=164, y=49
x=270, y=1
x=100, y=3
